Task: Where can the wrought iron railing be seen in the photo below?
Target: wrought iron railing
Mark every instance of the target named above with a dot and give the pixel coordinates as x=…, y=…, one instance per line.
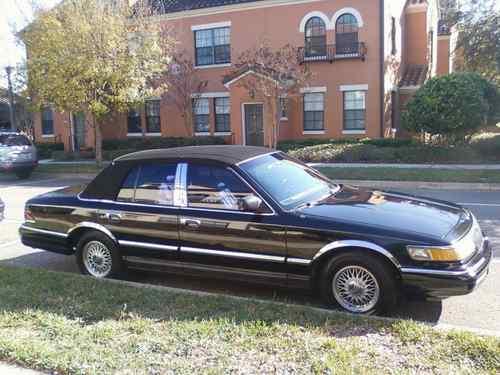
x=332, y=52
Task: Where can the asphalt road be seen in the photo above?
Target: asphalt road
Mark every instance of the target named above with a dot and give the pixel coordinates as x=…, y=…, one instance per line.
x=479, y=310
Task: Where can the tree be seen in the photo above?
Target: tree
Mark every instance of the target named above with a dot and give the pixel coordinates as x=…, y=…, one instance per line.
x=453, y=107
x=478, y=40
x=276, y=74
x=185, y=86
x=97, y=57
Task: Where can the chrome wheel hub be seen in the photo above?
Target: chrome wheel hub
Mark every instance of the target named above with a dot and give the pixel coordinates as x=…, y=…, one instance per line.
x=355, y=289
x=97, y=259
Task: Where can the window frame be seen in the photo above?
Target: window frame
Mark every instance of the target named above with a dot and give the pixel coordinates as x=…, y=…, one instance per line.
x=225, y=115
x=196, y=116
x=212, y=47
x=135, y=117
x=45, y=122
x=304, y=129
x=149, y=117
x=283, y=108
x=344, y=110
x=347, y=48
x=312, y=42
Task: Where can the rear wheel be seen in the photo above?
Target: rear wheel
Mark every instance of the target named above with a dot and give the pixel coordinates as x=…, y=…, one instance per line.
x=359, y=283
x=23, y=174
x=98, y=256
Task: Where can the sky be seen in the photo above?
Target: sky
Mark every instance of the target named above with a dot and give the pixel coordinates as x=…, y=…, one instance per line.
x=14, y=15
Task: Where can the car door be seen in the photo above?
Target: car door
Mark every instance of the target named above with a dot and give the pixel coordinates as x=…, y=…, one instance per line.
x=218, y=237
x=144, y=217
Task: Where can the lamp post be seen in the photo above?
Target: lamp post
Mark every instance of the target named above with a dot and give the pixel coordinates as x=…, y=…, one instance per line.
x=12, y=113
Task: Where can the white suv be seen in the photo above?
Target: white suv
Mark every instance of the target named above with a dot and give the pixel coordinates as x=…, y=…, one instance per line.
x=17, y=154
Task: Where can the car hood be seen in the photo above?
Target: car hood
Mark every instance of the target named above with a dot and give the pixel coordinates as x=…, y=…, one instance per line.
x=393, y=211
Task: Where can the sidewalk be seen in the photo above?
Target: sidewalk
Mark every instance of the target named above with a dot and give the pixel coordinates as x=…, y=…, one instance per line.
x=412, y=166
x=6, y=369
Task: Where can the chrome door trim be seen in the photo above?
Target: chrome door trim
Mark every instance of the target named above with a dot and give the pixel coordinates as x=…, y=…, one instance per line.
x=333, y=246
x=44, y=231
x=180, y=191
x=299, y=261
x=233, y=254
x=146, y=245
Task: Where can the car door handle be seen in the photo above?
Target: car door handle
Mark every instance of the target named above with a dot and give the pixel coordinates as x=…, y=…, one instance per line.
x=191, y=223
x=115, y=218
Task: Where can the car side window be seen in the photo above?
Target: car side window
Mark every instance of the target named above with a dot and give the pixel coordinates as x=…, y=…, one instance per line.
x=150, y=184
x=215, y=187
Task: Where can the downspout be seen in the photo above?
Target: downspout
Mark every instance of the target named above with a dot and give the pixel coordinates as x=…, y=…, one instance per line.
x=382, y=63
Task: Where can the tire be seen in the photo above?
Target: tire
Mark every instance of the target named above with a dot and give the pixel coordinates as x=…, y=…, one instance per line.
x=24, y=174
x=359, y=283
x=98, y=256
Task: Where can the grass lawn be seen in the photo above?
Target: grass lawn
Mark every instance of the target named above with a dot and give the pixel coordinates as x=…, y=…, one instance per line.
x=69, y=168
x=71, y=324
x=411, y=174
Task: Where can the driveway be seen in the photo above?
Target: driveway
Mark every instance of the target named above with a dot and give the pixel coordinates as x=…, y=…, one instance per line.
x=478, y=310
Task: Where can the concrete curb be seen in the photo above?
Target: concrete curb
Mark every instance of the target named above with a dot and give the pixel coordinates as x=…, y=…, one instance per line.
x=408, y=166
x=439, y=326
x=8, y=369
x=479, y=186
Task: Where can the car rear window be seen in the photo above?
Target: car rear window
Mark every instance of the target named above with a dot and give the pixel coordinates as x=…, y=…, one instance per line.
x=14, y=140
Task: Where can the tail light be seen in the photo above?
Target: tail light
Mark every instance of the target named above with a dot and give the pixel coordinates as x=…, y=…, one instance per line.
x=28, y=215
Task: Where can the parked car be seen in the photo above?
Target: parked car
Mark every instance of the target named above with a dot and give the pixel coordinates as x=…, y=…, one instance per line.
x=2, y=209
x=251, y=214
x=17, y=154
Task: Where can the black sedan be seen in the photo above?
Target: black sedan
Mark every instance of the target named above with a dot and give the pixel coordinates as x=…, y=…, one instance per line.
x=253, y=214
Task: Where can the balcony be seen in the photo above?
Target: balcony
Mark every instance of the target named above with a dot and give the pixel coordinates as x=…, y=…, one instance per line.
x=332, y=52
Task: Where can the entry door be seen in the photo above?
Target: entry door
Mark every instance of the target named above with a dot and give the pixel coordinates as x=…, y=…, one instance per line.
x=218, y=236
x=254, y=124
x=79, y=130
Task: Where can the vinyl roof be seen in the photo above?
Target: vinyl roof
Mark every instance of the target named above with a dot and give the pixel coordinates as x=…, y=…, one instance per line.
x=229, y=154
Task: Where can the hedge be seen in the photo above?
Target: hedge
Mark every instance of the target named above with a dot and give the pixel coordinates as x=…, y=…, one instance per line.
x=295, y=144
x=138, y=144
x=45, y=149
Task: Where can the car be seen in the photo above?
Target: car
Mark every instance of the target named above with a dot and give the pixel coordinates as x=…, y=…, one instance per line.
x=17, y=154
x=2, y=209
x=258, y=215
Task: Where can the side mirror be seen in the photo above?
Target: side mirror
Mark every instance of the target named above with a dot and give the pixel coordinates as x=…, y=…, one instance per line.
x=251, y=203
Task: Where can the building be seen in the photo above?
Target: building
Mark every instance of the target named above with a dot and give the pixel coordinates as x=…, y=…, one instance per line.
x=368, y=58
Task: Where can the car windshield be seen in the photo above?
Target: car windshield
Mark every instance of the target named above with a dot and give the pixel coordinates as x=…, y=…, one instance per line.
x=290, y=183
x=8, y=140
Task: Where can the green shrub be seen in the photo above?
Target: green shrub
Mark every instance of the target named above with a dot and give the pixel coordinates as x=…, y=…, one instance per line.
x=70, y=156
x=295, y=144
x=159, y=142
x=488, y=146
x=452, y=107
x=45, y=149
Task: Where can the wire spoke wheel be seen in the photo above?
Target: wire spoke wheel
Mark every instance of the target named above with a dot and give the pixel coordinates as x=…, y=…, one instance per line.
x=356, y=289
x=97, y=259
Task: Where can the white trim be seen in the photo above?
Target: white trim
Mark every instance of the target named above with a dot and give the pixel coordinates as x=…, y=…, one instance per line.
x=408, y=89
x=444, y=37
x=353, y=131
x=202, y=134
x=308, y=16
x=222, y=133
x=227, y=84
x=212, y=66
x=352, y=11
x=363, y=87
x=134, y=134
x=211, y=25
x=221, y=94
x=48, y=135
x=306, y=90
x=284, y=119
x=310, y=132
x=153, y=134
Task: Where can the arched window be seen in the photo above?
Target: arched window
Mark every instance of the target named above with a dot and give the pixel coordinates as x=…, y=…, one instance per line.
x=315, y=33
x=346, y=35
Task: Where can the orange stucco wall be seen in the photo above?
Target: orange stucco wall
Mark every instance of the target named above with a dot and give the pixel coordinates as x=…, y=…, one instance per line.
x=279, y=25
x=416, y=38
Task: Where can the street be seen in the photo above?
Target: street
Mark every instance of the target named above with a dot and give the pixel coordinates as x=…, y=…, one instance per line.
x=478, y=310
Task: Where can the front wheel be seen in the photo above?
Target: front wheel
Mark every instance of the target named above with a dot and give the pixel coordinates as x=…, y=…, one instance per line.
x=98, y=256
x=359, y=283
